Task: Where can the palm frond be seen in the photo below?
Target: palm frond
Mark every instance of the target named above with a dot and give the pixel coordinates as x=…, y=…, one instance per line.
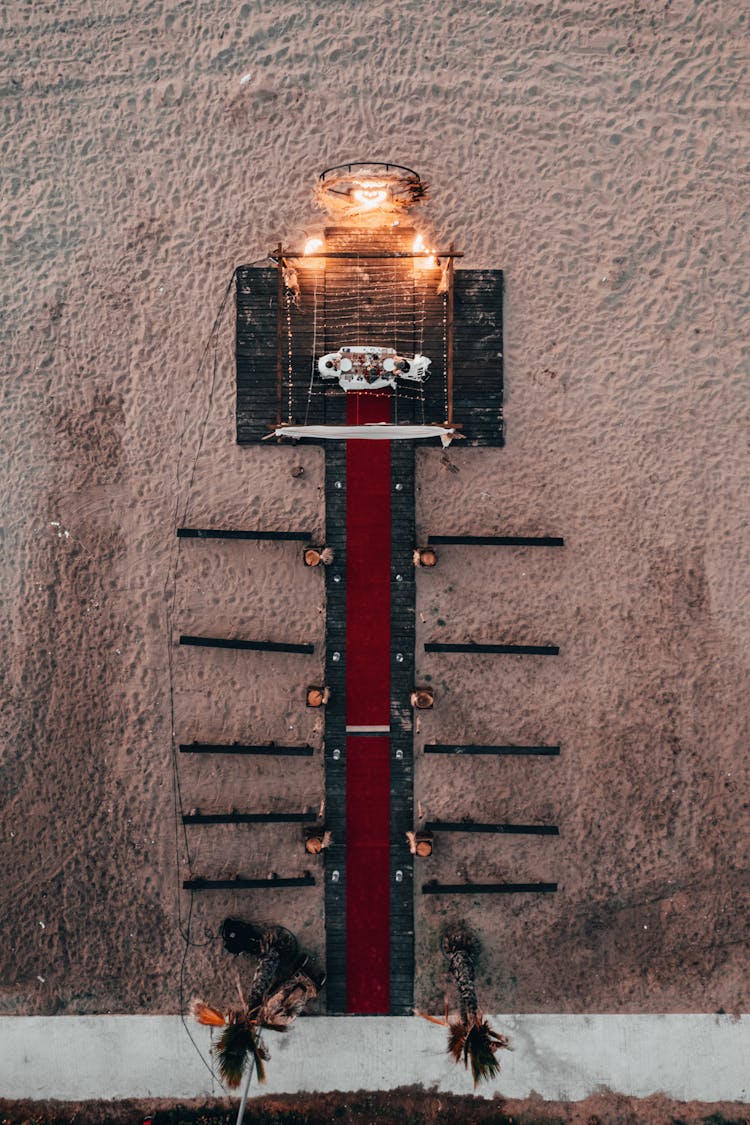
x=479, y=1051
x=268, y=1024
x=457, y=1033
x=474, y=1043
x=205, y=1014
x=500, y=1041
x=439, y=1020
x=237, y=1042
x=261, y=1055
x=281, y=1007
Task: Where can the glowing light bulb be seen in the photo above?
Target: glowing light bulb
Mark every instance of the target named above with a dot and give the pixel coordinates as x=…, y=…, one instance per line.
x=370, y=195
x=312, y=245
x=419, y=247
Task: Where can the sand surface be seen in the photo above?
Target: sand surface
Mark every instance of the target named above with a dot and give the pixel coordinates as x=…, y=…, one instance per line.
x=595, y=152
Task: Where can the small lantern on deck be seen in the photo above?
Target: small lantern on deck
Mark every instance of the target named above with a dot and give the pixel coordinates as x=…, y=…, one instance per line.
x=425, y=556
x=317, y=838
x=314, y=556
x=423, y=698
x=420, y=843
x=317, y=696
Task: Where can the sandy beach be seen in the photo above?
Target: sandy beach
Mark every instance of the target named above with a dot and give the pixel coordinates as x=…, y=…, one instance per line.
x=598, y=155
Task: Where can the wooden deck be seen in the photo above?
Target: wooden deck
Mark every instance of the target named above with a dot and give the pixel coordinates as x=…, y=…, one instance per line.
x=335, y=728
x=351, y=300
x=401, y=736
x=403, y=639
x=323, y=321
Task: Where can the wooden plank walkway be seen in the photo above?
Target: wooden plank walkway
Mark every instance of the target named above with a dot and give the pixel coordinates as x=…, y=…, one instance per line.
x=403, y=640
x=335, y=728
x=310, y=401
x=478, y=356
x=329, y=305
x=256, y=297
x=401, y=736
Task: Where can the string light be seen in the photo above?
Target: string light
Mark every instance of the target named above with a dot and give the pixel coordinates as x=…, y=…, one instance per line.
x=373, y=302
x=420, y=247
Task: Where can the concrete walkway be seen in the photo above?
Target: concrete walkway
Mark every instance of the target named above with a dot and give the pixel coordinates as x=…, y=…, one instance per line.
x=560, y=1057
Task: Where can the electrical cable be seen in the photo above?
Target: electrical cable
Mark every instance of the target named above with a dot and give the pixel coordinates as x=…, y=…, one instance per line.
x=185, y=1024
x=170, y=594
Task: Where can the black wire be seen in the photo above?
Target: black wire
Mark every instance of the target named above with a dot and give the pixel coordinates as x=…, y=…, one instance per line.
x=185, y=1024
x=209, y=404
x=170, y=594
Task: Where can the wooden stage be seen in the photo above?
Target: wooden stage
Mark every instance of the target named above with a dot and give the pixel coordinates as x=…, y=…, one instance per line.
x=359, y=300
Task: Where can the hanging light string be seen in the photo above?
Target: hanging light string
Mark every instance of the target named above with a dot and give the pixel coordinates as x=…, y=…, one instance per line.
x=390, y=302
x=313, y=358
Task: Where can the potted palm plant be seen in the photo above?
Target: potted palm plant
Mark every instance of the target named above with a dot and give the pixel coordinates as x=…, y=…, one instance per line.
x=280, y=989
x=470, y=1037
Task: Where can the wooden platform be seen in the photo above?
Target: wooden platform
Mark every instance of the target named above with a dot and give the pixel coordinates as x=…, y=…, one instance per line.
x=335, y=729
x=403, y=640
x=334, y=306
x=353, y=299
x=401, y=736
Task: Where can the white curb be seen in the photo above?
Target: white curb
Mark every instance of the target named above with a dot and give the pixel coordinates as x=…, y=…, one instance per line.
x=559, y=1057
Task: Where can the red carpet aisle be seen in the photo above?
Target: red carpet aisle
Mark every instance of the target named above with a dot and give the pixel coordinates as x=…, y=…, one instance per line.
x=368, y=637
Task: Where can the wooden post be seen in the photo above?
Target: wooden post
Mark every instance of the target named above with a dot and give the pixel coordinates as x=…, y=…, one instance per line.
x=279, y=333
x=449, y=340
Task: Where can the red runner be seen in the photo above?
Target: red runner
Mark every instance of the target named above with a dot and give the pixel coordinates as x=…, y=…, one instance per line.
x=368, y=690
